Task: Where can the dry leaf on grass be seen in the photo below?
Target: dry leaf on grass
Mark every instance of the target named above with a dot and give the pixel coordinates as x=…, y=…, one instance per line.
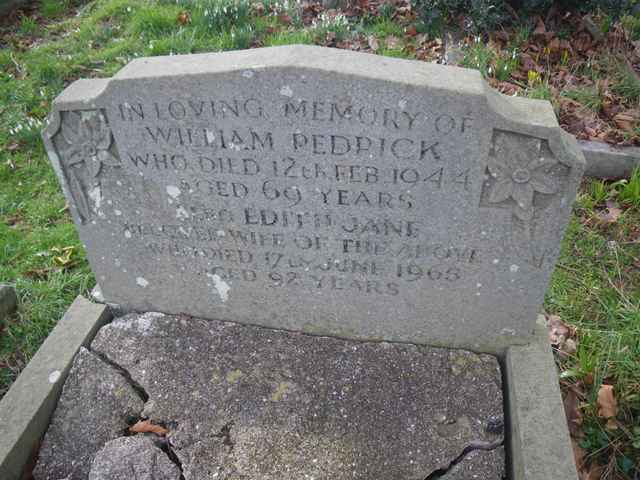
x=557, y=330
x=145, y=426
x=561, y=335
x=373, y=43
x=611, y=214
x=285, y=19
x=184, y=18
x=625, y=121
x=392, y=42
x=607, y=405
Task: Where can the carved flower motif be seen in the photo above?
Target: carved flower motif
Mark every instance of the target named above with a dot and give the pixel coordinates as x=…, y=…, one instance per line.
x=520, y=170
x=89, y=137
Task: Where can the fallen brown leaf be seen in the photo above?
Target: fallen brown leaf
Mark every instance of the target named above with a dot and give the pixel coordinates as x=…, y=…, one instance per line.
x=607, y=405
x=540, y=28
x=625, y=122
x=145, y=426
x=373, y=43
x=611, y=214
x=285, y=19
x=37, y=273
x=184, y=17
x=258, y=8
x=392, y=42
x=557, y=330
x=595, y=472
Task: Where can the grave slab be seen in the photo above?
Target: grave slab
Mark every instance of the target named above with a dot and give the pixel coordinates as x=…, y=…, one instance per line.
x=95, y=406
x=249, y=402
x=318, y=190
x=133, y=458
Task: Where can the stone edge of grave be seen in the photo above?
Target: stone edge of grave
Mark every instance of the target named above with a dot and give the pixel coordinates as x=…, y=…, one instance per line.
x=538, y=439
x=8, y=300
x=606, y=161
x=26, y=408
x=539, y=442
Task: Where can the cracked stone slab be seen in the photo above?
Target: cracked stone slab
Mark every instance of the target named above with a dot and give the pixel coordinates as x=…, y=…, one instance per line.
x=245, y=402
x=128, y=458
x=477, y=465
x=94, y=407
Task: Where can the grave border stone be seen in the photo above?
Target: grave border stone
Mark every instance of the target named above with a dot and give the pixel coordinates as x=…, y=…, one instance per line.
x=533, y=405
x=26, y=408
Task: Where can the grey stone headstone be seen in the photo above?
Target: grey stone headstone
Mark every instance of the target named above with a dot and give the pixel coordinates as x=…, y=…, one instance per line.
x=318, y=190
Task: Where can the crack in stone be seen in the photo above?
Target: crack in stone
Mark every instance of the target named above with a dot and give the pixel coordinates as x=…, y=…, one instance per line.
x=139, y=389
x=472, y=447
x=165, y=445
x=225, y=434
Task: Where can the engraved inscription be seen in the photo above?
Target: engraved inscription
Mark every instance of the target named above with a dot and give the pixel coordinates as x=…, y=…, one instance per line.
x=334, y=201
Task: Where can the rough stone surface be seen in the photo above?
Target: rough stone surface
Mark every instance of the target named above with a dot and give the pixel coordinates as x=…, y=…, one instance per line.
x=95, y=405
x=26, y=409
x=477, y=465
x=133, y=458
x=318, y=190
x=249, y=402
x=606, y=161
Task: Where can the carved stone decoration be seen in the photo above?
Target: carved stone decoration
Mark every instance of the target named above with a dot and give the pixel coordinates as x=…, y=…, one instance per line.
x=520, y=168
x=84, y=143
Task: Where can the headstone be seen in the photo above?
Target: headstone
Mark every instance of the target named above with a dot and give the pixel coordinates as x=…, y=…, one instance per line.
x=318, y=190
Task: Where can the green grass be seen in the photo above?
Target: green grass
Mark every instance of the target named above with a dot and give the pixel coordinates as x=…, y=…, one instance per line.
x=490, y=63
x=596, y=286
x=626, y=83
x=590, y=97
x=540, y=91
x=54, y=8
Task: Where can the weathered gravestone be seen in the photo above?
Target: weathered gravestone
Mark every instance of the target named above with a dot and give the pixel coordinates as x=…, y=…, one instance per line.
x=318, y=190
